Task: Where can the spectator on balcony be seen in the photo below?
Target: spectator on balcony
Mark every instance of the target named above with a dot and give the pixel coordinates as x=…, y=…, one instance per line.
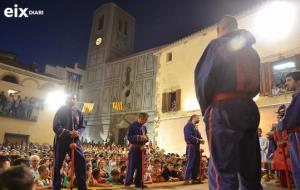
x=3, y=101
x=30, y=108
x=18, y=107
x=275, y=90
x=25, y=104
x=9, y=108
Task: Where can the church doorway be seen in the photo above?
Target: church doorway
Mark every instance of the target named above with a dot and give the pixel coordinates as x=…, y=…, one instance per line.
x=15, y=139
x=122, y=139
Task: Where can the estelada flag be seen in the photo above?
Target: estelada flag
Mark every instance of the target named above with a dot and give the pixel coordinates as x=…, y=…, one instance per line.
x=118, y=106
x=87, y=107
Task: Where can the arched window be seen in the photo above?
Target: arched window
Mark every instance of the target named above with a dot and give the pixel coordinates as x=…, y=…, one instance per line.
x=127, y=79
x=101, y=23
x=10, y=78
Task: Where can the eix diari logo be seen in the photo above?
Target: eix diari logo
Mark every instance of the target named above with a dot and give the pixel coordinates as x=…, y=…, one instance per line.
x=18, y=12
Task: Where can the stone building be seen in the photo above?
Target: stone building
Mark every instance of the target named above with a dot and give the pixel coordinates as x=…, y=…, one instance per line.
x=24, y=117
x=160, y=81
x=175, y=78
x=114, y=74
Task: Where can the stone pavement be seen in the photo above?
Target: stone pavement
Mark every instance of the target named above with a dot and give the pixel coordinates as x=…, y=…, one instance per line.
x=178, y=186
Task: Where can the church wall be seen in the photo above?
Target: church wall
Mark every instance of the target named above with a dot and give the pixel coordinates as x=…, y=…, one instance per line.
x=104, y=80
x=130, y=81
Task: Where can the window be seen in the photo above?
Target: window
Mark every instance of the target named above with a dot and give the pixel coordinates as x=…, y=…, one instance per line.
x=11, y=79
x=101, y=23
x=169, y=57
x=279, y=71
x=125, y=28
x=127, y=79
x=120, y=25
x=171, y=101
x=273, y=75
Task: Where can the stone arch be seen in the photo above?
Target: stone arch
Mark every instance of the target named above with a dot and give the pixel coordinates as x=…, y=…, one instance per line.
x=47, y=86
x=30, y=82
x=9, y=77
x=126, y=121
x=120, y=127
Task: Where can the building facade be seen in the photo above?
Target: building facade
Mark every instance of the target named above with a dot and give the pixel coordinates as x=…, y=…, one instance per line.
x=72, y=76
x=115, y=75
x=23, y=114
x=160, y=81
x=175, y=92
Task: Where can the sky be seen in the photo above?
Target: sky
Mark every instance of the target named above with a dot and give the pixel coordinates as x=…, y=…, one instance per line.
x=61, y=35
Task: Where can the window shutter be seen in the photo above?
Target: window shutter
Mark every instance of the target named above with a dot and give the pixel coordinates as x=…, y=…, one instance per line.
x=178, y=99
x=164, y=103
x=298, y=62
x=266, y=78
x=168, y=102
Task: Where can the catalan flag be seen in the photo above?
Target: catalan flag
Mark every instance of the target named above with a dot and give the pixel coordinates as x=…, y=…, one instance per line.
x=118, y=106
x=87, y=107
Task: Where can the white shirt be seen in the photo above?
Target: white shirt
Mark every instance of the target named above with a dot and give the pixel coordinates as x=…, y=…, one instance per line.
x=264, y=144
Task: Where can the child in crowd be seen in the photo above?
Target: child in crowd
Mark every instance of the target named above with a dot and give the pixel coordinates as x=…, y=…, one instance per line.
x=115, y=177
x=169, y=174
x=148, y=172
x=123, y=173
x=102, y=168
x=98, y=181
x=44, y=181
x=156, y=172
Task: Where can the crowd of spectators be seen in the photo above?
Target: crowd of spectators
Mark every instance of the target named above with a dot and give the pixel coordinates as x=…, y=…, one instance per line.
x=106, y=165
x=278, y=89
x=14, y=105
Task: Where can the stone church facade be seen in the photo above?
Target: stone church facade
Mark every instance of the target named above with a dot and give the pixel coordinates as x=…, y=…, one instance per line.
x=114, y=74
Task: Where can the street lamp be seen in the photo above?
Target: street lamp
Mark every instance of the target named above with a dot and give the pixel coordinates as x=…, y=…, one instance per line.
x=191, y=104
x=275, y=20
x=55, y=100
